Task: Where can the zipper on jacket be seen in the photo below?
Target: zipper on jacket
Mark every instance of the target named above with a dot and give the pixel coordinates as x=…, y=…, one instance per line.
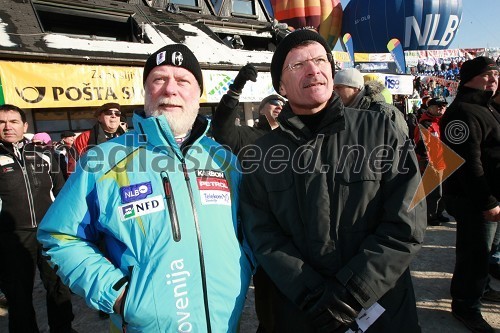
x=197, y=227
x=172, y=209
x=200, y=247
x=27, y=185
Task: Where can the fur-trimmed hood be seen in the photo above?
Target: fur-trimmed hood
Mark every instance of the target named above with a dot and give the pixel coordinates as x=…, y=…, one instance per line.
x=373, y=91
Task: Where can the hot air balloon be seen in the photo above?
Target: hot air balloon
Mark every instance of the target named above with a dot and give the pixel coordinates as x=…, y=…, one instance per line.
x=324, y=15
x=417, y=24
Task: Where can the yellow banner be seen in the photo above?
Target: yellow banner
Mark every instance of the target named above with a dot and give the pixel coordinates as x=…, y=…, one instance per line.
x=40, y=85
x=341, y=56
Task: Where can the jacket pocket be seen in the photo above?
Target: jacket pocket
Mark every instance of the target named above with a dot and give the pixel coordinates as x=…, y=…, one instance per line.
x=138, y=310
x=359, y=198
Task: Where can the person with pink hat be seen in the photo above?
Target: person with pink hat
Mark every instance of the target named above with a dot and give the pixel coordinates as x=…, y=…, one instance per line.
x=42, y=139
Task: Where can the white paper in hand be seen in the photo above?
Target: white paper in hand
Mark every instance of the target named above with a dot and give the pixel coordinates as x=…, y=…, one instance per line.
x=367, y=317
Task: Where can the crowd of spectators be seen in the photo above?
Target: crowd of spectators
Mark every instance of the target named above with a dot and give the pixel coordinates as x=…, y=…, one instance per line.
x=438, y=79
x=447, y=69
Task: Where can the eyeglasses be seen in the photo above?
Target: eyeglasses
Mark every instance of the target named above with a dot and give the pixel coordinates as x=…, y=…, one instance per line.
x=111, y=112
x=320, y=61
x=276, y=102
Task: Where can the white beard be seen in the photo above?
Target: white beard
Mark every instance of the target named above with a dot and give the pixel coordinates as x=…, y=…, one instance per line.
x=180, y=122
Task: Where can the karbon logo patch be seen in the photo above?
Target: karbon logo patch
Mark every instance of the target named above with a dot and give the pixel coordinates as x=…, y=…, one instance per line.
x=141, y=208
x=213, y=186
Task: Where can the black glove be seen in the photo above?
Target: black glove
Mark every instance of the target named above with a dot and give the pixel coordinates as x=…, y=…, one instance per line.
x=247, y=72
x=331, y=308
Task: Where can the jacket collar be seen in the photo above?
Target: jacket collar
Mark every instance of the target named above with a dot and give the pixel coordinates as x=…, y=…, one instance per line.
x=333, y=120
x=263, y=123
x=475, y=96
x=157, y=132
x=9, y=147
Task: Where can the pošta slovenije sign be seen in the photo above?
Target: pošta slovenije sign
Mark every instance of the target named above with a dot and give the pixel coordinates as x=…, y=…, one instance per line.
x=41, y=85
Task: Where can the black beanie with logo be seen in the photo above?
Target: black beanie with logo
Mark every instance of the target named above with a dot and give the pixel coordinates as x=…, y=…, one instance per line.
x=288, y=43
x=174, y=55
x=474, y=67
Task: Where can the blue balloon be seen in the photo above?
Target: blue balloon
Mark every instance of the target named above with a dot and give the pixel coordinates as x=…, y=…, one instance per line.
x=418, y=24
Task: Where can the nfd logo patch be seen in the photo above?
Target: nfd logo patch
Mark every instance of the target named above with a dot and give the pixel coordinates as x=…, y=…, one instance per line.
x=213, y=186
x=141, y=208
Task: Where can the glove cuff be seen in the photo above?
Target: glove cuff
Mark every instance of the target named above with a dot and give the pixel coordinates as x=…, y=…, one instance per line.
x=233, y=92
x=234, y=89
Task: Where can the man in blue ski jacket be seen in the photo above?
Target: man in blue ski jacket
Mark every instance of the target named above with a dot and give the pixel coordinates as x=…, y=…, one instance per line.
x=163, y=198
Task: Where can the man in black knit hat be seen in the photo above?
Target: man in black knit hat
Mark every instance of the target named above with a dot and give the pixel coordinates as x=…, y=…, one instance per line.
x=328, y=219
x=164, y=200
x=471, y=127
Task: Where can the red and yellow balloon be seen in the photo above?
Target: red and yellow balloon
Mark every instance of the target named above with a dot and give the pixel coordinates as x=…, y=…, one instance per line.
x=324, y=15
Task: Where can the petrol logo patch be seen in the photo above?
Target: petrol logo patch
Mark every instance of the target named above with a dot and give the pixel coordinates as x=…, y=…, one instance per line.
x=141, y=208
x=135, y=192
x=213, y=186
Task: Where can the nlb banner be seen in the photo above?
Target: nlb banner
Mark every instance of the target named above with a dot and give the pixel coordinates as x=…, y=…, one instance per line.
x=41, y=85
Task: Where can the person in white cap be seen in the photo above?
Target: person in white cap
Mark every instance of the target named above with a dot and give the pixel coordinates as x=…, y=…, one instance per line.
x=350, y=85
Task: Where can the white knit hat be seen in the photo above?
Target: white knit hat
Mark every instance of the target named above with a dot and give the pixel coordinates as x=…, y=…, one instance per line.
x=349, y=77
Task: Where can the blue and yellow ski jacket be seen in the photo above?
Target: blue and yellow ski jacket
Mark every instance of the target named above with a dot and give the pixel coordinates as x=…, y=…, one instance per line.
x=167, y=216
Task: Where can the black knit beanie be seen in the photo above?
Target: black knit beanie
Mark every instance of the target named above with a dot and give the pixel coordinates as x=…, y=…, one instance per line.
x=288, y=43
x=475, y=67
x=175, y=55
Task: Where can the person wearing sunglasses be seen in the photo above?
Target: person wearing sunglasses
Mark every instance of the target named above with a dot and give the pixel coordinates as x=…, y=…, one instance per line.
x=326, y=203
x=107, y=127
x=42, y=139
x=224, y=128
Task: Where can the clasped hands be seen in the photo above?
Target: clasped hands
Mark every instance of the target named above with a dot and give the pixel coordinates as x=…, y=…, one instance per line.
x=331, y=308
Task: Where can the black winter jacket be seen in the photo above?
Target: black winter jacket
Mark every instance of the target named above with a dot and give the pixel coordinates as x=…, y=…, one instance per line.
x=471, y=128
x=28, y=185
x=323, y=205
x=227, y=133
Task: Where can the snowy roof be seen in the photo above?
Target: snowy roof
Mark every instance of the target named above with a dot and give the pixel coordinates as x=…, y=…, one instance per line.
x=22, y=38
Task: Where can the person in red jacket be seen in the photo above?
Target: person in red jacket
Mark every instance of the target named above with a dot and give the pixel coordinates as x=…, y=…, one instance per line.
x=429, y=150
x=106, y=128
